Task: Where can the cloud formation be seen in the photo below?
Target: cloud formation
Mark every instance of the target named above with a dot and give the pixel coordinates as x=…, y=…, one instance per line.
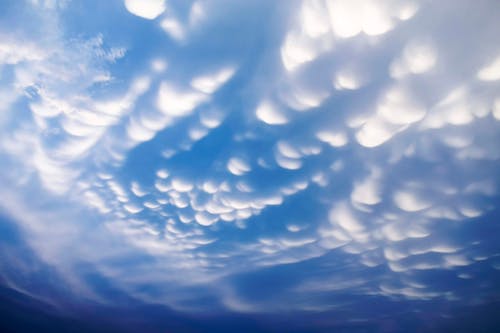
x=356, y=139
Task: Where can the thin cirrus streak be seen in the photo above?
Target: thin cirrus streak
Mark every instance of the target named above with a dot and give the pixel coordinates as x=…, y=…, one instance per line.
x=354, y=139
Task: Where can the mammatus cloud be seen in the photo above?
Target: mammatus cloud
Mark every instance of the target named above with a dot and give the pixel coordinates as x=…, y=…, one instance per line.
x=490, y=72
x=148, y=9
x=358, y=141
x=270, y=114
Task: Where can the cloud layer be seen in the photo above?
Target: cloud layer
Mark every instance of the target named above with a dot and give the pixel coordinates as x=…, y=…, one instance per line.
x=353, y=143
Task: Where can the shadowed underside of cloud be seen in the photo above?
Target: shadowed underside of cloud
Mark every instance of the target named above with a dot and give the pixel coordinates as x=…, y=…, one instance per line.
x=256, y=157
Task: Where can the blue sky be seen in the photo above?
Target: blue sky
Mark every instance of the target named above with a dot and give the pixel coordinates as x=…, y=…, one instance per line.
x=296, y=165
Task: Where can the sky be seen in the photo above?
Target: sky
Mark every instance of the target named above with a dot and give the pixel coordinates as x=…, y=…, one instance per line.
x=249, y=166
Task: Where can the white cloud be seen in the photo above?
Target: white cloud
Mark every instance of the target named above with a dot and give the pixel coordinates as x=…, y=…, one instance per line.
x=490, y=72
x=367, y=192
x=14, y=52
x=399, y=107
x=376, y=132
x=343, y=216
x=410, y=201
x=287, y=150
x=181, y=185
x=496, y=109
x=175, y=102
x=303, y=98
x=132, y=208
x=159, y=65
x=293, y=228
x=174, y=28
x=407, y=10
x=197, y=13
x=314, y=18
x=335, y=139
x=297, y=242
x=455, y=108
x=211, y=118
x=162, y=173
x=148, y=9
x=393, y=255
x=344, y=18
x=349, y=18
x=163, y=186
x=296, y=50
x=456, y=260
x=205, y=219
x=418, y=57
x=347, y=79
x=288, y=163
x=270, y=114
x=139, y=133
x=208, y=84
x=137, y=189
x=238, y=166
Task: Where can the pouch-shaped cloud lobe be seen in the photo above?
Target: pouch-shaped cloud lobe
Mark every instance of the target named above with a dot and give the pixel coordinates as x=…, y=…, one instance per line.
x=194, y=154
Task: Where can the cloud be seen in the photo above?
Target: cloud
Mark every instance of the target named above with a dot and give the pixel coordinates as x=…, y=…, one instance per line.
x=296, y=51
x=347, y=80
x=210, y=83
x=410, y=202
x=367, y=191
x=173, y=28
x=344, y=217
x=269, y=113
x=238, y=166
x=332, y=138
x=418, y=57
x=148, y=9
x=491, y=72
x=376, y=132
x=13, y=52
x=347, y=143
x=181, y=185
x=174, y=102
x=348, y=19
